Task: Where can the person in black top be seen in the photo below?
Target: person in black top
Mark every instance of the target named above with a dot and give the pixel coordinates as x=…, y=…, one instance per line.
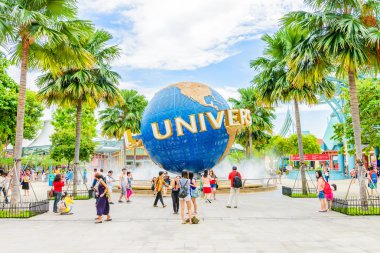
x=175, y=191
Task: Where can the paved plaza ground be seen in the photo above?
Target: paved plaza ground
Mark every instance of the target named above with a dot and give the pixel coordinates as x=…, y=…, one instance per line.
x=264, y=222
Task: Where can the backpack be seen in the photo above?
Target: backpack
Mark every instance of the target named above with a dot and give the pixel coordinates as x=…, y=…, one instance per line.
x=237, y=183
x=183, y=190
x=61, y=206
x=327, y=188
x=374, y=178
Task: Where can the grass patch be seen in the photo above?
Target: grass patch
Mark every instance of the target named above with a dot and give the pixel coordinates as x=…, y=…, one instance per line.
x=355, y=211
x=17, y=214
x=309, y=195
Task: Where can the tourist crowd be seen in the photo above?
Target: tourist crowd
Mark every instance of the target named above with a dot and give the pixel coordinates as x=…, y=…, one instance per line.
x=185, y=190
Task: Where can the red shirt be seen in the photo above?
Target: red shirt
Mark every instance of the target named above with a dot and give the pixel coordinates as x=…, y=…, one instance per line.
x=58, y=186
x=232, y=175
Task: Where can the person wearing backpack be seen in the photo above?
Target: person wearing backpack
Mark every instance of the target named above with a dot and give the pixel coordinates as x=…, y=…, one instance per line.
x=67, y=204
x=321, y=190
x=184, y=196
x=236, y=184
x=372, y=178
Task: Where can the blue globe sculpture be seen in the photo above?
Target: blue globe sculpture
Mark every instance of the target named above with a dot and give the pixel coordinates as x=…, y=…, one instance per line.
x=175, y=146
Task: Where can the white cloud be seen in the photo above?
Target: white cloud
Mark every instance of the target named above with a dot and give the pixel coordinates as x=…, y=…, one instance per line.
x=148, y=92
x=177, y=35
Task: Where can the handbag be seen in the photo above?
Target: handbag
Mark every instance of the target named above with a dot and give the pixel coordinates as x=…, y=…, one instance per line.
x=51, y=193
x=195, y=193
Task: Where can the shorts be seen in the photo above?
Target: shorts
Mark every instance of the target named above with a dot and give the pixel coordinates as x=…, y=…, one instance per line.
x=213, y=186
x=25, y=186
x=206, y=190
x=329, y=196
x=124, y=190
x=321, y=195
x=187, y=198
x=373, y=185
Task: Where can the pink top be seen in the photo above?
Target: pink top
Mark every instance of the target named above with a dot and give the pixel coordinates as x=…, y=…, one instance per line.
x=206, y=181
x=320, y=184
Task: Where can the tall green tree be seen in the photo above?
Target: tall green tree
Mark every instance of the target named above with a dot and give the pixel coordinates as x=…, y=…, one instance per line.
x=63, y=139
x=281, y=78
x=309, y=141
x=369, y=106
x=84, y=86
x=8, y=109
x=347, y=32
x=39, y=34
x=257, y=134
x=126, y=115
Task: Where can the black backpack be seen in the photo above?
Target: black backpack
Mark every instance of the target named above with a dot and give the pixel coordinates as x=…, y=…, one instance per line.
x=183, y=190
x=237, y=183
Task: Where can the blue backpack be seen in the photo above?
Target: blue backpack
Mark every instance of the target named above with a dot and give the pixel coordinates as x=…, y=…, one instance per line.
x=374, y=178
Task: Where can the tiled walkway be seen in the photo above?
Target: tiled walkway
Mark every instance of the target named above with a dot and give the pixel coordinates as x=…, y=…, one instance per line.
x=264, y=222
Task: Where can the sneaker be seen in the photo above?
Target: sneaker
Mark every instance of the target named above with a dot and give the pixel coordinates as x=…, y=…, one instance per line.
x=235, y=206
x=128, y=201
x=163, y=206
x=155, y=205
x=111, y=203
x=228, y=206
x=120, y=201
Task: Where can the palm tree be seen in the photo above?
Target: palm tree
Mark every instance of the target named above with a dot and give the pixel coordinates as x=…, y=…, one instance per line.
x=347, y=33
x=84, y=86
x=261, y=115
x=281, y=78
x=30, y=29
x=126, y=115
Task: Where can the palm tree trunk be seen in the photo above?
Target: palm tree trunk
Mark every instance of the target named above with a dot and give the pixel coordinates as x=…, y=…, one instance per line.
x=250, y=142
x=77, y=144
x=124, y=155
x=300, y=147
x=354, y=106
x=17, y=151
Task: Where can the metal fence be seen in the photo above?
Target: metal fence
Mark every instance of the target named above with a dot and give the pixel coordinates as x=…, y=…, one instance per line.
x=298, y=192
x=79, y=195
x=24, y=209
x=356, y=206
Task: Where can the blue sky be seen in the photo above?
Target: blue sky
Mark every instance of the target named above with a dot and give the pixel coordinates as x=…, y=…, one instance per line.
x=211, y=42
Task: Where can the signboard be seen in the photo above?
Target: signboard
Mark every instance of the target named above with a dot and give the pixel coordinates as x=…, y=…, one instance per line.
x=311, y=157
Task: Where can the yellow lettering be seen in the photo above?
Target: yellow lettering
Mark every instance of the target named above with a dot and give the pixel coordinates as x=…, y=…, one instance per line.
x=202, y=122
x=232, y=117
x=245, y=117
x=180, y=123
x=215, y=123
x=168, y=130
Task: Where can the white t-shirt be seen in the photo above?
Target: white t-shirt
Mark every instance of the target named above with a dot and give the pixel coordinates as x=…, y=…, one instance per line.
x=109, y=181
